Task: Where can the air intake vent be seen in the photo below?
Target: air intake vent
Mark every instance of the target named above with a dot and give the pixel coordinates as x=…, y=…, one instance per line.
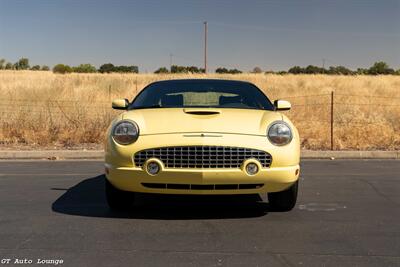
x=203, y=186
x=203, y=156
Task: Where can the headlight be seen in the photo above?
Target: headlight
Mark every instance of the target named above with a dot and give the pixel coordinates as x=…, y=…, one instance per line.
x=125, y=132
x=279, y=133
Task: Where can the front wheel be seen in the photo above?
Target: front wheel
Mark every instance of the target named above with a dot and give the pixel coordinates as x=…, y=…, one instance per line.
x=284, y=200
x=118, y=199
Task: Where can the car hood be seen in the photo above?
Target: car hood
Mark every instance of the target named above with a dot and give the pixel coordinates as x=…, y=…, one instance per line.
x=207, y=120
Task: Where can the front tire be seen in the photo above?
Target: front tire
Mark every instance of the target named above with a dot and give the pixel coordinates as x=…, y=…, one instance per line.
x=284, y=200
x=118, y=199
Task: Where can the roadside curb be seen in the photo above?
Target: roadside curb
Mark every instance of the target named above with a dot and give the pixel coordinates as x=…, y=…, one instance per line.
x=99, y=154
x=327, y=154
x=51, y=154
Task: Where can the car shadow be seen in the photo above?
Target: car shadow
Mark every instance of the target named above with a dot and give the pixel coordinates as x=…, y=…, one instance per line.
x=87, y=198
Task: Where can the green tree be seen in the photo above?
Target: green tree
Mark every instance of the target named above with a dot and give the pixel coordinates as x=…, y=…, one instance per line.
x=380, y=68
x=22, y=64
x=35, y=67
x=257, y=70
x=178, y=69
x=126, y=69
x=225, y=70
x=84, y=68
x=362, y=71
x=221, y=70
x=62, y=69
x=186, y=69
x=194, y=69
x=296, y=70
x=311, y=69
x=2, y=63
x=162, y=70
x=234, y=71
x=340, y=70
x=9, y=66
x=45, y=68
x=106, y=68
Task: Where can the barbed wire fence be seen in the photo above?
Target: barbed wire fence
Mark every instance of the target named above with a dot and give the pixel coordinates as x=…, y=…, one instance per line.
x=330, y=119
x=352, y=112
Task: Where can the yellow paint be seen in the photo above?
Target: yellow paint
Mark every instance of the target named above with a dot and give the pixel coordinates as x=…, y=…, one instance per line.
x=230, y=127
x=120, y=103
x=283, y=105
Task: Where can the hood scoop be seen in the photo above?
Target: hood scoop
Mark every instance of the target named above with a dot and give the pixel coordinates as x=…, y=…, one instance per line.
x=207, y=111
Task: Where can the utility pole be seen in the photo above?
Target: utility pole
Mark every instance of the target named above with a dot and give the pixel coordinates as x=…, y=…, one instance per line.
x=332, y=141
x=170, y=61
x=205, y=46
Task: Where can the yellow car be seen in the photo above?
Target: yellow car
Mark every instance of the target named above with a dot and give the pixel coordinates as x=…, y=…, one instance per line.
x=202, y=136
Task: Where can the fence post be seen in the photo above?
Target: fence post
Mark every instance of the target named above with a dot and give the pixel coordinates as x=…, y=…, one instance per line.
x=332, y=144
x=136, y=86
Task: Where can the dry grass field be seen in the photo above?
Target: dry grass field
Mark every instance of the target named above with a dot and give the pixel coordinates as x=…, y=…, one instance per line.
x=42, y=109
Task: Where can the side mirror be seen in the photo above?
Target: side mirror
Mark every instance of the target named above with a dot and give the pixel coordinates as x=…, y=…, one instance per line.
x=121, y=103
x=282, y=105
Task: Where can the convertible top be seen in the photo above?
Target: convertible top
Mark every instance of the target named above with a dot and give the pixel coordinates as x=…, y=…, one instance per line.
x=203, y=80
x=205, y=93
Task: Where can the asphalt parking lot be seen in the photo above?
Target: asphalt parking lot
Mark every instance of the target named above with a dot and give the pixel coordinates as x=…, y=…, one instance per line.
x=348, y=214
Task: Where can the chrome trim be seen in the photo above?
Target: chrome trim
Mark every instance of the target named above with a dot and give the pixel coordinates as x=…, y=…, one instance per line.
x=199, y=157
x=201, y=135
x=122, y=121
x=280, y=122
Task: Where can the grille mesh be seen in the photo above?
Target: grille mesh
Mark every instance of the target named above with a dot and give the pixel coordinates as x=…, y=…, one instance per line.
x=203, y=156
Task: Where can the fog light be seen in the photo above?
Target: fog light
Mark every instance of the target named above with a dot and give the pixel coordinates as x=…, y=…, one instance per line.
x=153, y=168
x=251, y=168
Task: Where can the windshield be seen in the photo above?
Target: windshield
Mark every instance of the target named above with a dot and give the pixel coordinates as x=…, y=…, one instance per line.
x=201, y=94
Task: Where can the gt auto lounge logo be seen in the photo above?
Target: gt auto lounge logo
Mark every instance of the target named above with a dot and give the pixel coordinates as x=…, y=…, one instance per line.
x=25, y=261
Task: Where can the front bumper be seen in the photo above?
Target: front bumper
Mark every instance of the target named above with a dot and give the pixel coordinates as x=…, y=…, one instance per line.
x=135, y=180
x=124, y=175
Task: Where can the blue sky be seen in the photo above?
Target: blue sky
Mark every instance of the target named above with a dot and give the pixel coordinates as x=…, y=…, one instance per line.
x=273, y=35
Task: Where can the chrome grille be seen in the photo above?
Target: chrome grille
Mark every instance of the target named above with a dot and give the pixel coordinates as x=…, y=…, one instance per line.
x=203, y=156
